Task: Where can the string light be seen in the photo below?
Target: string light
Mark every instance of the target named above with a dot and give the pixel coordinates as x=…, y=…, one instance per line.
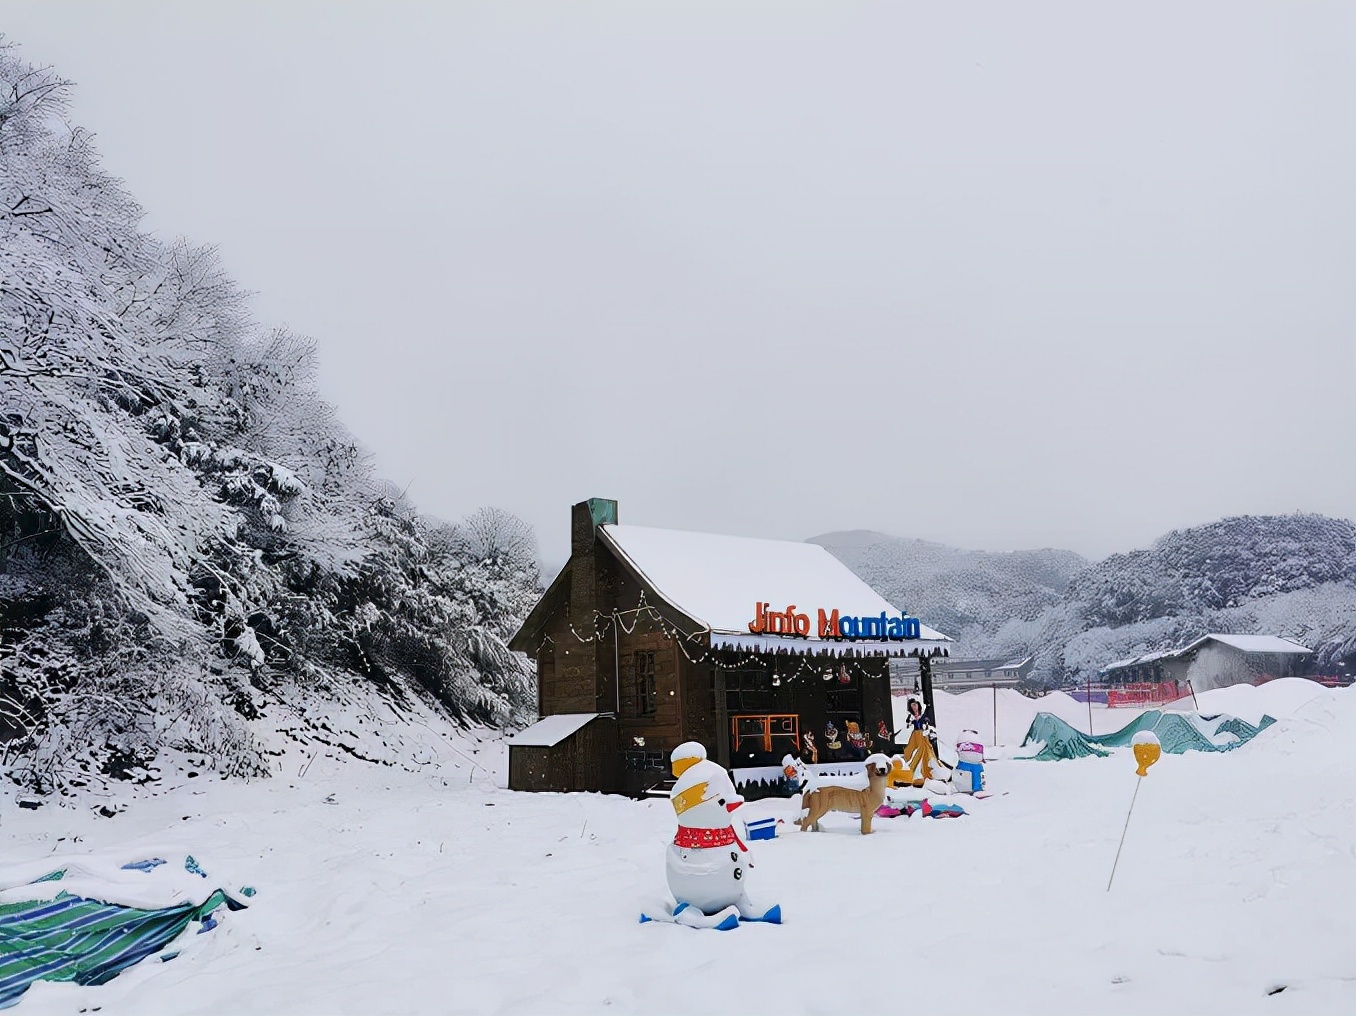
x=614, y=623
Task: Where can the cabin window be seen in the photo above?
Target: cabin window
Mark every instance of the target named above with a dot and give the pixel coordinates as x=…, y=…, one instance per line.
x=769, y=734
x=842, y=700
x=641, y=700
x=749, y=691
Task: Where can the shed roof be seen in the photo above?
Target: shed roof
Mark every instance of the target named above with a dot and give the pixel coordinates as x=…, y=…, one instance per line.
x=717, y=580
x=1243, y=643
x=1254, y=643
x=551, y=730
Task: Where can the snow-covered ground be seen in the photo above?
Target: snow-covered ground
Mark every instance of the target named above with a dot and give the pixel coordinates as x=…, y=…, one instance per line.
x=385, y=891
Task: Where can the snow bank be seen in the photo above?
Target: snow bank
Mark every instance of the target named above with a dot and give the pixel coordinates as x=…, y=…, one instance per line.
x=389, y=891
x=1279, y=698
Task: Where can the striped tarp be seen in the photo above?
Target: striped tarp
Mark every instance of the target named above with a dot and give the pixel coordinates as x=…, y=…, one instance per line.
x=71, y=938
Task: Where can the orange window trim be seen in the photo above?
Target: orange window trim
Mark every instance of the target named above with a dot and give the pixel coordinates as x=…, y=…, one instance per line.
x=766, y=721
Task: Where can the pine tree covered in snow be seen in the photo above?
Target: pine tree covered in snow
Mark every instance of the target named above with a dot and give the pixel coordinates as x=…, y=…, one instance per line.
x=187, y=533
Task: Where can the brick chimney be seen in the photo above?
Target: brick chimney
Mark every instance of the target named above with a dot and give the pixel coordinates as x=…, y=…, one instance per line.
x=585, y=518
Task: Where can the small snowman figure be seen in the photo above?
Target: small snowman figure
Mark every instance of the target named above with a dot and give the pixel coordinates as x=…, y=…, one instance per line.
x=968, y=777
x=708, y=864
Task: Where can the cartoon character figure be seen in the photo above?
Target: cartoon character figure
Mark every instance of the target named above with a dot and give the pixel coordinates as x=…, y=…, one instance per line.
x=854, y=735
x=811, y=748
x=968, y=776
x=901, y=774
x=831, y=737
x=883, y=732
x=794, y=771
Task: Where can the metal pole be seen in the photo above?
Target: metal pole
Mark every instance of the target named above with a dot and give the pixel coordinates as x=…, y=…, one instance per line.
x=1195, y=705
x=995, y=714
x=1117, y=861
x=1090, y=733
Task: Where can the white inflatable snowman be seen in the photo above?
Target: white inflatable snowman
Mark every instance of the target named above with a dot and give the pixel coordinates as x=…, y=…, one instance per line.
x=708, y=864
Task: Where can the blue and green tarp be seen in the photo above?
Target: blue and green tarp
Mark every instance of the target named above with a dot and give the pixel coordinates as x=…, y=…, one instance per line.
x=1177, y=732
x=64, y=936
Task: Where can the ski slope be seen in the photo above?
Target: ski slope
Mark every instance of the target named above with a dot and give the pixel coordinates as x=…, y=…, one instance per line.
x=381, y=891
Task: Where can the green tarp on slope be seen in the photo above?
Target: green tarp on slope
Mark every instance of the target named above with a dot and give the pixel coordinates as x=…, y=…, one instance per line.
x=1177, y=732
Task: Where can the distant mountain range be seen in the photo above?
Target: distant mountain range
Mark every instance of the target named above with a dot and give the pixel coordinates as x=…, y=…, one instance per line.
x=1291, y=575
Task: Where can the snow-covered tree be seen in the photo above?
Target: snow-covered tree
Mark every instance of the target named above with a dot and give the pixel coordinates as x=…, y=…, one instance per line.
x=187, y=532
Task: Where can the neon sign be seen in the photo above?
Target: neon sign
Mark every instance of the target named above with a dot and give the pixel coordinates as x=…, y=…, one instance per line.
x=833, y=625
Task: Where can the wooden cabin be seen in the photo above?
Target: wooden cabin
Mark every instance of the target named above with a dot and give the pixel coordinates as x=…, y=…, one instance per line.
x=756, y=648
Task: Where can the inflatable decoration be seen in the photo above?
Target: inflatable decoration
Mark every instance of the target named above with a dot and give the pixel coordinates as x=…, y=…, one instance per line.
x=914, y=766
x=831, y=737
x=811, y=748
x=860, y=802
x=707, y=864
x=968, y=777
x=856, y=737
x=1147, y=751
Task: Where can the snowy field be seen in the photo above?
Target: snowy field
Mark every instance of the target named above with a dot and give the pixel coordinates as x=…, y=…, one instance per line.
x=382, y=891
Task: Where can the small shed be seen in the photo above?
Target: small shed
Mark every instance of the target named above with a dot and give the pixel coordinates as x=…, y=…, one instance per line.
x=1214, y=661
x=565, y=752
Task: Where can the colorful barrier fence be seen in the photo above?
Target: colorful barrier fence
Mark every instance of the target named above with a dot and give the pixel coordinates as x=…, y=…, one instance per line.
x=1142, y=694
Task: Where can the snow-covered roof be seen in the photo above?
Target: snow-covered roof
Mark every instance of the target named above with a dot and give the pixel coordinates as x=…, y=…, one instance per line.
x=717, y=581
x=1243, y=643
x=551, y=730
x=1255, y=643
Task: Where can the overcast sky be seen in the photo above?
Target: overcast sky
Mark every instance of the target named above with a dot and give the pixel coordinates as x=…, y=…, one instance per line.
x=1001, y=276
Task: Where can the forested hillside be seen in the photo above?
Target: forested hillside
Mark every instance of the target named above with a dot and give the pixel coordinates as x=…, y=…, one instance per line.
x=954, y=589
x=1290, y=575
x=189, y=537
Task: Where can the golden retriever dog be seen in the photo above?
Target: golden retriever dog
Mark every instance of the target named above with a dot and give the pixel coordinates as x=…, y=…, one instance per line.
x=824, y=799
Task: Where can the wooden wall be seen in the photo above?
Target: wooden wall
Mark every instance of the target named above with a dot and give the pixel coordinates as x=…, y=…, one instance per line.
x=586, y=760
x=538, y=768
x=566, y=671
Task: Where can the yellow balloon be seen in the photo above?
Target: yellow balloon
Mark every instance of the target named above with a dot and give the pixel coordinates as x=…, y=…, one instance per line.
x=1146, y=754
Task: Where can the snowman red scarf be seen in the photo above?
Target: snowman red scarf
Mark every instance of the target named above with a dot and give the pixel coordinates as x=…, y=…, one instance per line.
x=699, y=839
